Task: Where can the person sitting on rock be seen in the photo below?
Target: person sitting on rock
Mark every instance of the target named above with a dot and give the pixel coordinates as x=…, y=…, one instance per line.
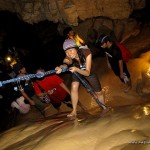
x=54, y=87
x=25, y=88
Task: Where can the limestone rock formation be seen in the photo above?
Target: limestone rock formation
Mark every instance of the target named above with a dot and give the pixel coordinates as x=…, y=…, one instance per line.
x=70, y=11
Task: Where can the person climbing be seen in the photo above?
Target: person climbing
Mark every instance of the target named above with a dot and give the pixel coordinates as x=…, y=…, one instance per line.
x=115, y=60
x=80, y=61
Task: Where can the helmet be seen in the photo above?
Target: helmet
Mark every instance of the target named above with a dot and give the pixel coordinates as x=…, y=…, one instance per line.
x=68, y=43
x=17, y=67
x=102, y=39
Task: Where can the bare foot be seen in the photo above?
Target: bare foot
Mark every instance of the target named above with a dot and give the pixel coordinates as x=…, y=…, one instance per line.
x=104, y=111
x=72, y=115
x=105, y=89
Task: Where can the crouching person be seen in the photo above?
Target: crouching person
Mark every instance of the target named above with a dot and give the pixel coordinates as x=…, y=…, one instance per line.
x=51, y=89
x=25, y=88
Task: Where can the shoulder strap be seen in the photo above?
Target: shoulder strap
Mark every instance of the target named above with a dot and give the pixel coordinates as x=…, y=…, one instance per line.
x=42, y=90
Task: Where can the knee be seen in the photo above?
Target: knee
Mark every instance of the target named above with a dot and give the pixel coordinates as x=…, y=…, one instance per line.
x=74, y=87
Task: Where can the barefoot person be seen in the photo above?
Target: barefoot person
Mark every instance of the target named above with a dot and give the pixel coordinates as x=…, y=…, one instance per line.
x=80, y=61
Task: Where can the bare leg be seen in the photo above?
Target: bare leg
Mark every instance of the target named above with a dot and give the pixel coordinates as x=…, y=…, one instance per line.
x=101, y=96
x=74, y=98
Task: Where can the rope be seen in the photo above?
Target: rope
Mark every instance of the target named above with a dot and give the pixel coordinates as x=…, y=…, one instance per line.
x=29, y=76
x=89, y=90
x=42, y=74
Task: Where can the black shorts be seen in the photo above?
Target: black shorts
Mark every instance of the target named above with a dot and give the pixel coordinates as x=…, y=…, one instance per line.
x=92, y=81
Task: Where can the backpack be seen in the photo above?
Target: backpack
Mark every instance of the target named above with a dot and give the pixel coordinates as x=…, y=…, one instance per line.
x=126, y=54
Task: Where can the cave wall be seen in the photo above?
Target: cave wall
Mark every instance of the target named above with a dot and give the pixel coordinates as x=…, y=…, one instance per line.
x=70, y=11
x=87, y=18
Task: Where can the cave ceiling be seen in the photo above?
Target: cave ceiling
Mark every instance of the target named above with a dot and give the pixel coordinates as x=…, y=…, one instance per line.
x=70, y=11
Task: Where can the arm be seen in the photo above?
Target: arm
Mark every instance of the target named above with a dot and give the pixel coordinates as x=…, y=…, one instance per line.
x=118, y=55
x=37, y=90
x=121, y=68
x=87, y=71
x=24, y=94
x=41, y=94
x=108, y=64
x=66, y=63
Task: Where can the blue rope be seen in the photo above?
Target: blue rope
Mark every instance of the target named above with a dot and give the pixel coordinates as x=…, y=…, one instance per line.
x=42, y=74
x=29, y=76
x=89, y=90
